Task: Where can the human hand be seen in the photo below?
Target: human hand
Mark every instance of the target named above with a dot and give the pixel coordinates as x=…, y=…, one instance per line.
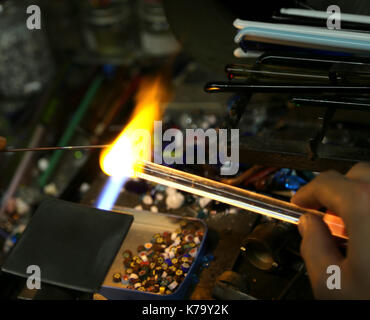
x=349, y=197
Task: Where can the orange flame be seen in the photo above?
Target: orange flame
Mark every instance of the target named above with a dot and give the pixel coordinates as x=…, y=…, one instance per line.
x=134, y=142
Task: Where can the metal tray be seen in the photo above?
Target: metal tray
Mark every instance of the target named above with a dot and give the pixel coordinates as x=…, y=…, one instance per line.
x=145, y=225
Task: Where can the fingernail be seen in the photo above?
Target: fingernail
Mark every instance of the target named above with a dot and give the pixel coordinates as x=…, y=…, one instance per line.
x=302, y=225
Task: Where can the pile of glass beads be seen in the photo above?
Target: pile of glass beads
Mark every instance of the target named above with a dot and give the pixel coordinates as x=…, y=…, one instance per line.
x=162, y=264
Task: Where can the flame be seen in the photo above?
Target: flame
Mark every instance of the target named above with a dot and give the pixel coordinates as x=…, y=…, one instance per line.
x=134, y=142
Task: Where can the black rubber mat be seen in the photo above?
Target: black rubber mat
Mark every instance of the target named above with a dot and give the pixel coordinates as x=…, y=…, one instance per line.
x=74, y=245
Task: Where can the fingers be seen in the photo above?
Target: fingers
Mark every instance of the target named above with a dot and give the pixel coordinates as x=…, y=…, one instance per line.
x=318, y=192
x=349, y=197
x=319, y=251
x=330, y=190
x=2, y=143
x=360, y=171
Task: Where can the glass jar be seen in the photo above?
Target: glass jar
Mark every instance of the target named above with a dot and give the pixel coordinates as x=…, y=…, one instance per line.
x=108, y=28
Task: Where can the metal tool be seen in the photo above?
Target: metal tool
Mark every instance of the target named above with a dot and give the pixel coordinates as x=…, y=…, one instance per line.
x=99, y=146
x=235, y=71
x=221, y=86
x=353, y=75
x=311, y=61
x=354, y=103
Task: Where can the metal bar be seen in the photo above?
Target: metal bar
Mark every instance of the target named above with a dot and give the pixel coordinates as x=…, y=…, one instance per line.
x=243, y=71
x=221, y=86
x=312, y=60
x=333, y=102
x=98, y=146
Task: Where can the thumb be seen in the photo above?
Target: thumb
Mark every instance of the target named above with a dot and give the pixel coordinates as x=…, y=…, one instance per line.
x=319, y=251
